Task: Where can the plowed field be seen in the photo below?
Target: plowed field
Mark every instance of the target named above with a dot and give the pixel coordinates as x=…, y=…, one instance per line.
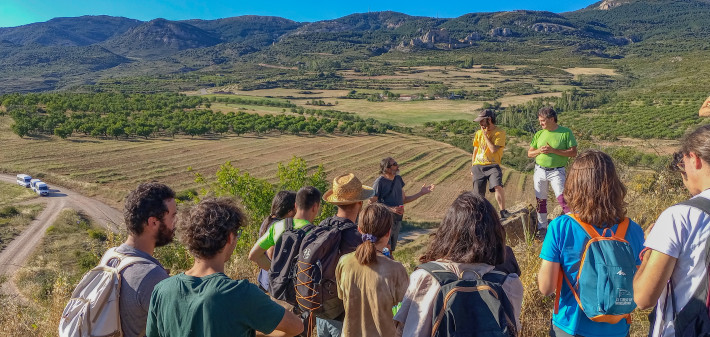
x=107, y=169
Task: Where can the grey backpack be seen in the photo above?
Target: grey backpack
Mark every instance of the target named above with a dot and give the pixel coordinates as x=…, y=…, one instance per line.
x=93, y=307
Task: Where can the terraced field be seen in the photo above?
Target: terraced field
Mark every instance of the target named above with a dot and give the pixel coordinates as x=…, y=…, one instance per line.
x=107, y=169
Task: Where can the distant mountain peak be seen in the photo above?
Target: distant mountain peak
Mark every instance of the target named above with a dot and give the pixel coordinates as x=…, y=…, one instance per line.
x=609, y=4
x=160, y=37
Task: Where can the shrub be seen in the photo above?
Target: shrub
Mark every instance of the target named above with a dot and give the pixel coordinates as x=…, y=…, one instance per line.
x=8, y=211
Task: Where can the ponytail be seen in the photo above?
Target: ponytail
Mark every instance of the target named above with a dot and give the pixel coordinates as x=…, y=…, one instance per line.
x=366, y=253
x=376, y=222
x=266, y=223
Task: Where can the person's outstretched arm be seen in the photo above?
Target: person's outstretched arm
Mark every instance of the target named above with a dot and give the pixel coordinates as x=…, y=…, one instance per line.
x=424, y=191
x=290, y=325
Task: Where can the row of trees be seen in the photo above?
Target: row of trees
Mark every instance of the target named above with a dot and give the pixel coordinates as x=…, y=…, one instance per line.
x=108, y=102
x=188, y=122
x=138, y=115
x=249, y=101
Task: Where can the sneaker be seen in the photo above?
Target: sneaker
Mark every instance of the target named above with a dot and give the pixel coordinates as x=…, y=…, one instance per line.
x=504, y=214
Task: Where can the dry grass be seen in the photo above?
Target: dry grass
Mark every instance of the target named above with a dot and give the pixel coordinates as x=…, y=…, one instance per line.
x=407, y=113
x=13, y=194
x=591, y=71
x=521, y=99
x=108, y=169
x=49, y=278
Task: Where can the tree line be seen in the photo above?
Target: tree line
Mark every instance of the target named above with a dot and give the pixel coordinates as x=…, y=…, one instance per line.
x=145, y=116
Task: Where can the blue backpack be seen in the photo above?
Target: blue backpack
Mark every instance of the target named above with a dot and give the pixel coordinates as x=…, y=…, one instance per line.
x=604, y=285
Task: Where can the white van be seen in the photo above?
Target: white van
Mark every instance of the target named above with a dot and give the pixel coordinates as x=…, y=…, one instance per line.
x=23, y=180
x=33, y=182
x=41, y=188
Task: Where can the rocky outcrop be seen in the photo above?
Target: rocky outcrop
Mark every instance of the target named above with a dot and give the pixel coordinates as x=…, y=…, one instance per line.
x=521, y=226
x=502, y=32
x=438, y=39
x=544, y=27
x=472, y=37
x=705, y=108
x=609, y=4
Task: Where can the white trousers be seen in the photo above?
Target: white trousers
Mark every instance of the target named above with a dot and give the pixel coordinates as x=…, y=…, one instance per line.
x=556, y=179
x=541, y=178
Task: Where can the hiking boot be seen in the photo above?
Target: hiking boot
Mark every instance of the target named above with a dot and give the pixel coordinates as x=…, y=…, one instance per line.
x=504, y=214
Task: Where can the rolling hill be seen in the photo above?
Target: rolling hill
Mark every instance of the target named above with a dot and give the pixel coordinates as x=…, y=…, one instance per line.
x=124, y=47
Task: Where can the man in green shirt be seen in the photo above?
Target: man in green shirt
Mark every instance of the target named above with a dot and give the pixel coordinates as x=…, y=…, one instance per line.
x=551, y=147
x=203, y=301
x=307, y=208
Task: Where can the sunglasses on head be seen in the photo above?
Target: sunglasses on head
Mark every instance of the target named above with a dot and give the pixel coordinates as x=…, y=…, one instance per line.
x=677, y=163
x=392, y=164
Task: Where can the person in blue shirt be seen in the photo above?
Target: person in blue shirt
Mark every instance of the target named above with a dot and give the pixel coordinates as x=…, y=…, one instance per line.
x=596, y=195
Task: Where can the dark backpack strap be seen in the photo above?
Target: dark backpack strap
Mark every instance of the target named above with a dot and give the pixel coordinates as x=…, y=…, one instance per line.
x=442, y=274
x=702, y=204
x=495, y=276
x=391, y=188
x=699, y=203
x=498, y=277
x=288, y=224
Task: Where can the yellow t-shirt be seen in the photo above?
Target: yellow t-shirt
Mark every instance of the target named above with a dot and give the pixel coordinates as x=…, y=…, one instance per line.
x=482, y=154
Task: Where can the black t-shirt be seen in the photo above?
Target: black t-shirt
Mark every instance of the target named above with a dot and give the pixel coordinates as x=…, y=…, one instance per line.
x=390, y=192
x=350, y=238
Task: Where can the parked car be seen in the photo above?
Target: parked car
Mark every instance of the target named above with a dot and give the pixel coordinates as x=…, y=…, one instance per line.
x=23, y=180
x=41, y=188
x=33, y=182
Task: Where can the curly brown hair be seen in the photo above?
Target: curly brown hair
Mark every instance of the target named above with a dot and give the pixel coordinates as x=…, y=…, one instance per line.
x=147, y=200
x=471, y=232
x=594, y=191
x=205, y=227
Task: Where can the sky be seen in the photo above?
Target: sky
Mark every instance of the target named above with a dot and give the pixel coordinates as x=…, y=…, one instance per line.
x=20, y=12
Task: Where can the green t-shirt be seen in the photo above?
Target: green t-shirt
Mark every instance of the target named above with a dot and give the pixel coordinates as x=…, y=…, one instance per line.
x=214, y=305
x=561, y=139
x=273, y=235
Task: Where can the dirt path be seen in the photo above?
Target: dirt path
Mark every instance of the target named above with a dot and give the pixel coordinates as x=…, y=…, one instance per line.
x=14, y=256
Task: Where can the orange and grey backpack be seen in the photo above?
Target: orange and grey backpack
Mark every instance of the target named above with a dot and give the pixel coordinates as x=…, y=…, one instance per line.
x=604, y=284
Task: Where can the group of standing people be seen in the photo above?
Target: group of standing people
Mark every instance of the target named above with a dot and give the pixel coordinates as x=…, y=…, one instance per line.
x=468, y=250
x=552, y=147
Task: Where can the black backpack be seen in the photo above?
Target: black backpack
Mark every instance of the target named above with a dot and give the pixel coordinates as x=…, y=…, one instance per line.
x=694, y=319
x=282, y=274
x=316, y=288
x=469, y=308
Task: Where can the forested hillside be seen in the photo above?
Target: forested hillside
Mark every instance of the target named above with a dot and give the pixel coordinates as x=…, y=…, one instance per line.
x=54, y=55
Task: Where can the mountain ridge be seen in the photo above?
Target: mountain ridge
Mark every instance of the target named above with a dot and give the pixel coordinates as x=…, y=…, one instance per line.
x=162, y=47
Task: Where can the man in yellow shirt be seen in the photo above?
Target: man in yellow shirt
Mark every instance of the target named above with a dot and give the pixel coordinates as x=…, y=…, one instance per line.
x=488, y=144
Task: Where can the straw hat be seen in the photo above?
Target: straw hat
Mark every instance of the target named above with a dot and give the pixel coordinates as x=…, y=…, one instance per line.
x=705, y=108
x=347, y=189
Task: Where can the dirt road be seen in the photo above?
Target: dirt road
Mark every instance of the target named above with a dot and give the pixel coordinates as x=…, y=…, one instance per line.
x=16, y=253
